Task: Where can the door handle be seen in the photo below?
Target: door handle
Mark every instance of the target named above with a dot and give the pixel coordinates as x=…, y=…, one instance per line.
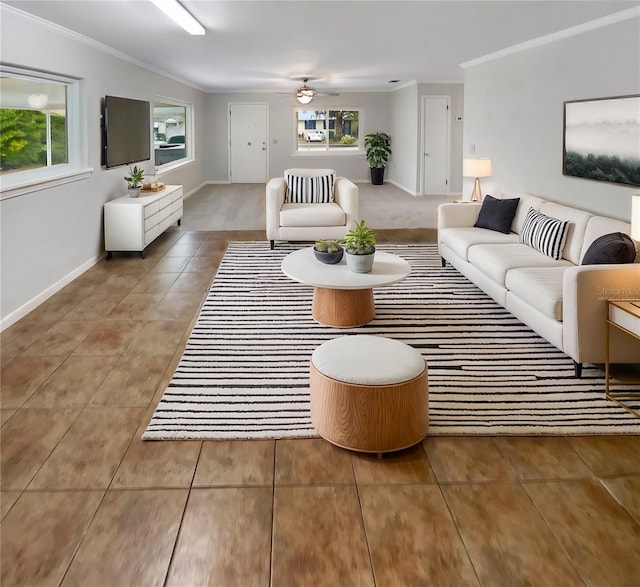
x=249, y=144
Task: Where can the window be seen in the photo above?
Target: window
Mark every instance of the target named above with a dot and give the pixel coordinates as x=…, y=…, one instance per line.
x=40, y=141
x=172, y=135
x=33, y=124
x=328, y=130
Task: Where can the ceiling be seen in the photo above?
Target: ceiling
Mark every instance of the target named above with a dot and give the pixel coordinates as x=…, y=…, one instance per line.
x=359, y=45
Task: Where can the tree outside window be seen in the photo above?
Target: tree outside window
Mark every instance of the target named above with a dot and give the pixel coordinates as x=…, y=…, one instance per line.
x=33, y=124
x=328, y=130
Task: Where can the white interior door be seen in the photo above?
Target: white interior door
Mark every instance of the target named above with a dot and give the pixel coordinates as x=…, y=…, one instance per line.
x=435, y=145
x=248, y=150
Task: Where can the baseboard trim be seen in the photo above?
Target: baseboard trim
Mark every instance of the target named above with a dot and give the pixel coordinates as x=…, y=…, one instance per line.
x=43, y=296
x=194, y=190
x=402, y=187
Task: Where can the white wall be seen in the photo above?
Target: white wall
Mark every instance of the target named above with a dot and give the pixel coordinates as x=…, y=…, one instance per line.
x=49, y=235
x=514, y=113
x=406, y=134
x=404, y=130
x=374, y=109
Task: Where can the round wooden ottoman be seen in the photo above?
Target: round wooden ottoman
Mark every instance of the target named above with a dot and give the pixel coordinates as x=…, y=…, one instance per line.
x=369, y=393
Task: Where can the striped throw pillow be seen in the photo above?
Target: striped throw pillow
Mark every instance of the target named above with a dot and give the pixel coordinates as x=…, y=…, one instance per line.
x=543, y=233
x=309, y=190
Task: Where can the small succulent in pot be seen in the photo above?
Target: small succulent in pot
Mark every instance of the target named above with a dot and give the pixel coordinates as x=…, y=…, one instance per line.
x=328, y=246
x=328, y=251
x=361, y=240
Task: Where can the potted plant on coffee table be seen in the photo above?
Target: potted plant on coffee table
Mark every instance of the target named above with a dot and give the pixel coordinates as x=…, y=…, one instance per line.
x=328, y=251
x=134, y=181
x=360, y=248
x=378, y=148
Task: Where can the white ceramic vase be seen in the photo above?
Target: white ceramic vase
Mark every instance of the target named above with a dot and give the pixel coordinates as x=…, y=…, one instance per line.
x=360, y=263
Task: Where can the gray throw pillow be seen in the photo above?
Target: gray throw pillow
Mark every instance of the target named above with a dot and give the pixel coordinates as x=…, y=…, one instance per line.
x=497, y=214
x=615, y=247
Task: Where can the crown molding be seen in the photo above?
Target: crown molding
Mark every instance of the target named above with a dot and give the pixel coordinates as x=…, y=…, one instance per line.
x=17, y=14
x=558, y=36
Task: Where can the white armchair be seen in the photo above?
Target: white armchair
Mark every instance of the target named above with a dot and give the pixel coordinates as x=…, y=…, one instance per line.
x=292, y=221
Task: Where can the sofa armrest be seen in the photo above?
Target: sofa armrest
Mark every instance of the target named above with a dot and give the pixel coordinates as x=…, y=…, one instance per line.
x=276, y=190
x=585, y=291
x=346, y=196
x=458, y=215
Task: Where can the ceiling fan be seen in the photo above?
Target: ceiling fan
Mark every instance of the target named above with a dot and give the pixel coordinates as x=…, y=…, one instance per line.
x=305, y=94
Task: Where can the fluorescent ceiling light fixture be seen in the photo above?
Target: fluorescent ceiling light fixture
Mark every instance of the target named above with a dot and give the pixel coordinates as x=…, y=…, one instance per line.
x=178, y=13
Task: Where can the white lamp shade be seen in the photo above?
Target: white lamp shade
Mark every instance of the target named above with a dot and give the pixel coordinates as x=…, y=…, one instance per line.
x=476, y=167
x=635, y=217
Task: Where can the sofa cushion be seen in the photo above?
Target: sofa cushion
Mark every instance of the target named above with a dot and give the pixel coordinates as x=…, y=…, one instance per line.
x=497, y=214
x=496, y=260
x=312, y=215
x=544, y=234
x=460, y=239
x=526, y=201
x=615, y=247
x=540, y=287
x=578, y=220
x=309, y=190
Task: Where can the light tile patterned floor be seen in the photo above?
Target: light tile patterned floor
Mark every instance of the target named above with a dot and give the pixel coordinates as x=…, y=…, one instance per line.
x=85, y=502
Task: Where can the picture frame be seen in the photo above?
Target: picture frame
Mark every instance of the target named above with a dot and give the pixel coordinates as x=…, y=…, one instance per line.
x=601, y=139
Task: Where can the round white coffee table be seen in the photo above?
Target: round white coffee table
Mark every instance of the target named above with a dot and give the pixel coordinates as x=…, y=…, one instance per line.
x=342, y=298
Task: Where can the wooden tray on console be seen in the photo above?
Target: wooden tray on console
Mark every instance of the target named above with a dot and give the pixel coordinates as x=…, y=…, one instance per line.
x=157, y=188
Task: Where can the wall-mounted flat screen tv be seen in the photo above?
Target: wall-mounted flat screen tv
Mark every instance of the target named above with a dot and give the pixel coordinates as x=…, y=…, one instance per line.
x=126, y=131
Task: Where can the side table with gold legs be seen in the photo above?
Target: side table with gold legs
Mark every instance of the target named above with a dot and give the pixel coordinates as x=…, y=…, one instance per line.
x=625, y=316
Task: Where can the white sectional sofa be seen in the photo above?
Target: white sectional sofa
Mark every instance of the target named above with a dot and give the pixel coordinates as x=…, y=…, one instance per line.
x=561, y=300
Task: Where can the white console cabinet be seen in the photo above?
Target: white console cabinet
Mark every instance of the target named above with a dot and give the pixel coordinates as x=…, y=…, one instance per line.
x=132, y=224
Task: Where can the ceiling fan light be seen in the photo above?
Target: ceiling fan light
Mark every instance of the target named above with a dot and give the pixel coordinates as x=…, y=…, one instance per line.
x=304, y=97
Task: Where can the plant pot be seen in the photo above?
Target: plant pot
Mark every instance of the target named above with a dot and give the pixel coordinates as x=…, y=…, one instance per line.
x=133, y=192
x=377, y=175
x=360, y=263
x=328, y=258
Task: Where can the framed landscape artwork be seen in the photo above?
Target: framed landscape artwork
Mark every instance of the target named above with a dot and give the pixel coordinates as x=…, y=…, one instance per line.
x=602, y=139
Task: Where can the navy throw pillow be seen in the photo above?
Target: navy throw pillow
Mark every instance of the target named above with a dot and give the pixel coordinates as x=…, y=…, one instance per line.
x=497, y=214
x=615, y=247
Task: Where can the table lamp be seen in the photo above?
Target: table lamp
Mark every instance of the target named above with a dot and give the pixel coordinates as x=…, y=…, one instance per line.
x=476, y=168
x=635, y=217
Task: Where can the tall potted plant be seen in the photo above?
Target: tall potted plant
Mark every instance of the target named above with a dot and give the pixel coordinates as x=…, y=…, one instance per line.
x=360, y=248
x=378, y=148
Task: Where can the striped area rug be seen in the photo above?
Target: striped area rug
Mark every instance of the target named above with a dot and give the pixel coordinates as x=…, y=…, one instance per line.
x=244, y=371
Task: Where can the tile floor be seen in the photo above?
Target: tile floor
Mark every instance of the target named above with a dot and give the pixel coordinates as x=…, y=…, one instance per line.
x=86, y=502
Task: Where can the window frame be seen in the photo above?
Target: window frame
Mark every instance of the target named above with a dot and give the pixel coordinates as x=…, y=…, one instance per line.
x=327, y=151
x=189, y=126
x=31, y=180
